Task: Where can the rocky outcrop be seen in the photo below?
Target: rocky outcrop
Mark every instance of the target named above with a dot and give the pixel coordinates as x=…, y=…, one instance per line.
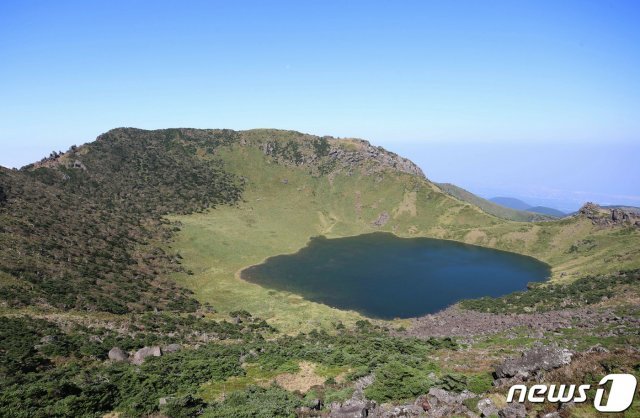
x=367, y=153
x=327, y=154
x=352, y=408
x=145, y=352
x=358, y=406
x=609, y=217
x=532, y=362
x=442, y=403
x=116, y=354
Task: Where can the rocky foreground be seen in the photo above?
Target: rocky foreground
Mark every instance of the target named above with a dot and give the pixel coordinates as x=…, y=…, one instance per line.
x=550, y=364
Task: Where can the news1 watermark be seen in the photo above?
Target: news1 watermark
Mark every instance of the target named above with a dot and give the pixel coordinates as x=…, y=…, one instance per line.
x=621, y=393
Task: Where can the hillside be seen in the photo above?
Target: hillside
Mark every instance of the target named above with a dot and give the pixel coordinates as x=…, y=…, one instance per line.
x=489, y=206
x=547, y=211
x=120, y=292
x=517, y=204
x=83, y=230
x=510, y=202
x=113, y=196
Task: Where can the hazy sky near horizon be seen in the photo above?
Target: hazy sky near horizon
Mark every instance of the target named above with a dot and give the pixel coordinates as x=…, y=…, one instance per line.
x=538, y=99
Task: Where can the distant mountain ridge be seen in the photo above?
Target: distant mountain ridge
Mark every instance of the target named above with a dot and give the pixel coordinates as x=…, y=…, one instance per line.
x=510, y=202
x=517, y=204
x=490, y=207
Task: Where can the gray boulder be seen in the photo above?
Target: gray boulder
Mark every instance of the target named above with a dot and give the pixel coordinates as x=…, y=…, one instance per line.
x=532, y=361
x=351, y=408
x=487, y=408
x=171, y=348
x=145, y=352
x=442, y=403
x=513, y=410
x=116, y=354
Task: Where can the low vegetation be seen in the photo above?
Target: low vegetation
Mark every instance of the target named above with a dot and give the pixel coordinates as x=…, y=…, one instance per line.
x=83, y=230
x=543, y=297
x=52, y=369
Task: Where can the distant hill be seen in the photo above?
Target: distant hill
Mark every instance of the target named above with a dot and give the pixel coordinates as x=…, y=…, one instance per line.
x=490, y=207
x=547, y=211
x=510, y=202
x=517, y=204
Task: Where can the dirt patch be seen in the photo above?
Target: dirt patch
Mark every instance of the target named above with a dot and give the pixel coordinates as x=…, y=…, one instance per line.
x=303, y=380
x=476, y=236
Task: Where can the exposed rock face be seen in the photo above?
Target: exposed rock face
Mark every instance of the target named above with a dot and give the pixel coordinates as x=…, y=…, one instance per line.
x=447, y=404
x=358, y=406
x=143, y=353
x=116, y=354
x=333, y=154
x=609, y=217
x=543, y=358
x=368, y=153
x=383, y=218
x=352, y=408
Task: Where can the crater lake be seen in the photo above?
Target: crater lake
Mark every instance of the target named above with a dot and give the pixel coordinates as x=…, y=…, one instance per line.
x=383, y=276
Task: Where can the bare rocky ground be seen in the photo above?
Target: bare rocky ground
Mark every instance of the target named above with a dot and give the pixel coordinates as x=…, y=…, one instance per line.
x=457, y=322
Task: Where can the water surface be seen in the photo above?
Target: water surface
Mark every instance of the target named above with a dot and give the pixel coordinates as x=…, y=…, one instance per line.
x=383, y=276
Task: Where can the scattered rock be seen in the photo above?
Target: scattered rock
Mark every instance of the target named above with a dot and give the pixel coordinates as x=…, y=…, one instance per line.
x=352, y=408
x=171, y=348
x=487, y=408
x=78, y=164
x=143, y=353
x=534, y=360
x=116, y=354
x=445, y=404
x=597, y=349
x=47, y=339
x=316, y=404
x=303, y=411
x=513, y=410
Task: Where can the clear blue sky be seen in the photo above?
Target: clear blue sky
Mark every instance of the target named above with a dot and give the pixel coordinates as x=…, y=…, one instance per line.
x=443, y=82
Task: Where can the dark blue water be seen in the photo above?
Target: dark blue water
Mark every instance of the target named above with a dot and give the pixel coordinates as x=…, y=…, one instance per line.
x=383, y=276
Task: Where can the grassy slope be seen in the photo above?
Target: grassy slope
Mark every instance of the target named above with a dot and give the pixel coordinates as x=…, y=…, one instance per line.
x=279, y=217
